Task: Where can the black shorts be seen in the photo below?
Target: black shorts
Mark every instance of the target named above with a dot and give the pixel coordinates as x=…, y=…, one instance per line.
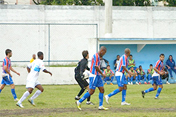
x=82, y=83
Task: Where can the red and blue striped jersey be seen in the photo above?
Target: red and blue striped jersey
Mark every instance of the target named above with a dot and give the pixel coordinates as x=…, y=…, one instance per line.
x=159, y=65
x=6, y=62
x=95, y=62
x=123, y=62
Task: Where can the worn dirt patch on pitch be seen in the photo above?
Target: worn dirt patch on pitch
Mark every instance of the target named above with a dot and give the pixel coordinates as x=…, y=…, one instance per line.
x=32, y=112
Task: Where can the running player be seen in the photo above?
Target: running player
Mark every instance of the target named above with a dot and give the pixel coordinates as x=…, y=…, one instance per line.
x=121, y=80
x=79, y=77
x=32, y=80
x=156, y=77
x=95, y=79
x=6, y=75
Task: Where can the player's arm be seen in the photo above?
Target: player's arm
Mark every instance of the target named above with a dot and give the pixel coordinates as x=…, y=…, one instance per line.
x=98, y=70
x=14, y=71
x=46, y=71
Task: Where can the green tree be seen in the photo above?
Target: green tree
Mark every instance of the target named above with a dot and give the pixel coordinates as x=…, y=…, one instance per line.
x=142, y=2
x=123, y=2
x=171, y=2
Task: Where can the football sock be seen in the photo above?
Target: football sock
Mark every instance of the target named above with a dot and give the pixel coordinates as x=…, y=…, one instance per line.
x=149, y=90
x=36, y=94
x=0, y=90
x=81, y=92
x=25, y=95
x=86, y=95
x=13, y=93
x=132, y=79
x=101, y=99
x=123, y=95
x=158, y=91
x=114, y=92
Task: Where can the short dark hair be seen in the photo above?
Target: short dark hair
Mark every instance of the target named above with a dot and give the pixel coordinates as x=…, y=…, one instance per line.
x=151, y=65
x=85, y=53
x=118, y=55
x=7, y=51
x=131, y=55
x=161, y=55
x=108, y=65
x=39, y=53
x=140, y=66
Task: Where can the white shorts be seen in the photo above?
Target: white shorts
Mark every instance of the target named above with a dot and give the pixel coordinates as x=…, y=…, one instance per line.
x=32, y=84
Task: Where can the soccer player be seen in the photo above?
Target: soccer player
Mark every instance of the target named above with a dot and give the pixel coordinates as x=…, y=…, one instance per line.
x=32, y=80
x=150, y=72
x=95, y=79
x=130, y=79
x=33, y=58
x=141, y=75
x=131, y=63
x=79, y=76
x=156, y=77
x=6, y=75
x=109, y=75
x=121, y=80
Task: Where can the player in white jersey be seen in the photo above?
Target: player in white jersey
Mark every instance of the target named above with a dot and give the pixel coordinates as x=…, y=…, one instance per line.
x=32, y=80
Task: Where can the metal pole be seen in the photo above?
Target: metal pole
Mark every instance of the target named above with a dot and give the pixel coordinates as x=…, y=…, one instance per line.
x=49, y=45
x=97, y=38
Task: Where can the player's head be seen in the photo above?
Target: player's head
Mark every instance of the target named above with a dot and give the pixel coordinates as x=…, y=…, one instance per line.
x=34, y=56
x=127, y=52
x=151, y=66
x=85, y=54
x=170, y=57
x=131, y=56
x=102, y=51
x=118, y=57
x=132, y=68
x=108, y=67
x=162, y=57
x=8, y=52
x=40, y=55
x=140, y=67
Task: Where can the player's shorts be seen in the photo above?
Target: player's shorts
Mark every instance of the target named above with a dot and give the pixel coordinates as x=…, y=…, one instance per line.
x=95, y=81
x=156, y=79
x=32, y=83
x=121, y=80
x=7, y=80
x=82, y=83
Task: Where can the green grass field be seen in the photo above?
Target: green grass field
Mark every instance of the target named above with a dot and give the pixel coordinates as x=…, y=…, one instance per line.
x=58, y=100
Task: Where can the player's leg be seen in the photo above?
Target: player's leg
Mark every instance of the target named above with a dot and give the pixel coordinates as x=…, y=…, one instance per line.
x=170, y=72
x=2, y=87
x=88, y=99
x=92, y=86
x=25, y=95
x=124, y=95
x=119, y=82
x=79, y=80
x=13, y=92
x=105, y=80
x=145, y=79
x=139, y=79
x=174, y=69
x=101, y=95
x=38, y=92
x=160, y=87
x=131, y=79
x=111, y=79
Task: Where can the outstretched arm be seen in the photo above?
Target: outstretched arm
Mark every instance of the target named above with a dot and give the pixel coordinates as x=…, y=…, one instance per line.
x=47, y=72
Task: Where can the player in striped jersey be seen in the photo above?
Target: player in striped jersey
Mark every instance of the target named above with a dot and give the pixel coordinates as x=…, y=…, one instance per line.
x=121, y=80
x=95, y=79
x=156, y=77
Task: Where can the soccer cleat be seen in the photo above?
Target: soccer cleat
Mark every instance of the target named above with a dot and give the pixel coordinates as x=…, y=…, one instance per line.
x=16, y=100
x=102, y=108
x=145, y=82
x=107, y=99
x=148, y=82
x=111, y=83
x=89, y=103
x=105, y=83
x=19, y=105
x=77, y=98
x=156, y=97
x=128, y=83
x=137, y=83
x=167, y=82
x=131, y=83
x=143, y=94
x=31, y=102
x=125, y=103
x=78, y=105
